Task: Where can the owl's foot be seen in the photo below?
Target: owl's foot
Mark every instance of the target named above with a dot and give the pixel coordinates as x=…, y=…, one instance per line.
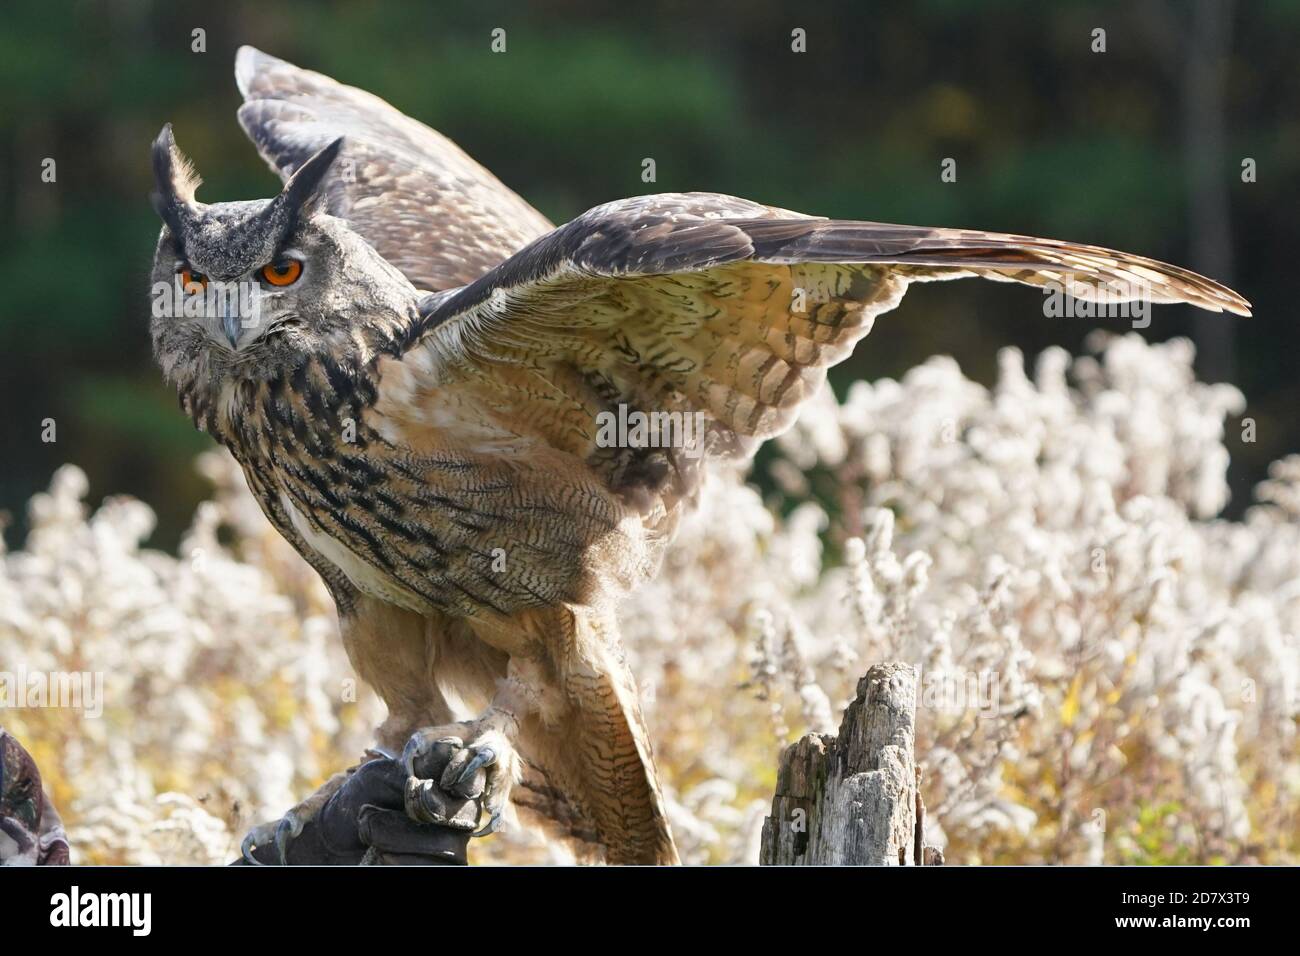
x=364, y=822
x=280, y=832
x=480, y=762
x=284, y=831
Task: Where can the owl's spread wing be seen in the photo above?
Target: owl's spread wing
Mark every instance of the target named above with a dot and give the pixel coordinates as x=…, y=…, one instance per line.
x=430, y=210
x=699, y=303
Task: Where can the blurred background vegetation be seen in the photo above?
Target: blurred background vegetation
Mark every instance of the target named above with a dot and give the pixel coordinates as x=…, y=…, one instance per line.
x=1138, y=148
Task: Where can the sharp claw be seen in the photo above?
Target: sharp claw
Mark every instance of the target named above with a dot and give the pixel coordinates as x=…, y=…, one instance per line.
x=491, y=826
x=419, y=807
x=481, y=758
x=416, y=746
x=246, y=851
x=288, y=828
x=408, y=757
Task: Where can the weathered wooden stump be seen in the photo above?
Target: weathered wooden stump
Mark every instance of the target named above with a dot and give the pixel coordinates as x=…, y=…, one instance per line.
x=852, y=798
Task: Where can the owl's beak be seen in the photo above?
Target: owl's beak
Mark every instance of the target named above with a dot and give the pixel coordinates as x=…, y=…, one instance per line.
x=230, y=324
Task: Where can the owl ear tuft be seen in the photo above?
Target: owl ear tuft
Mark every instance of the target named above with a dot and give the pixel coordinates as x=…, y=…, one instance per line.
x=175, y=181
x=302, y=194
x=302, y=191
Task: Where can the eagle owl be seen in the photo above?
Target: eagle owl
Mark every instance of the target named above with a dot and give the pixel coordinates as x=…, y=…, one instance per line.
x=413, y=368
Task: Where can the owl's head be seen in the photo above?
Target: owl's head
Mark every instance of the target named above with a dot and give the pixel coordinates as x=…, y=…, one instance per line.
x=242, y=290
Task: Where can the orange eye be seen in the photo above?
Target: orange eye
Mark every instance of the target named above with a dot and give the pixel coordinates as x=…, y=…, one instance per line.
x=193, y=282
x=285, y=272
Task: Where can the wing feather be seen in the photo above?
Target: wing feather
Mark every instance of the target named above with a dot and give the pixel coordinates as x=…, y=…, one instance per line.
x=697, y=303
x=427, y=207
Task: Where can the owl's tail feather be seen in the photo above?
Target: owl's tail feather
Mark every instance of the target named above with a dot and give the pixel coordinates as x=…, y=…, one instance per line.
x=619, y=783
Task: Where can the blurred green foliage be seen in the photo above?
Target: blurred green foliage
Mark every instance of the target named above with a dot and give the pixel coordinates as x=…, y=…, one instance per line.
x=1154, y=838
x=1050, y=138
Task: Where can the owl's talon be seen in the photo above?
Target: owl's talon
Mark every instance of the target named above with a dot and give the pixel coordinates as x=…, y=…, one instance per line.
x=282, y=832
x=278, y=832
x=490, y=827
x=483, y=757
x=247, y=846
x=423, y=804
x=420, y=746
x=473, y=761
x=287, y=830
